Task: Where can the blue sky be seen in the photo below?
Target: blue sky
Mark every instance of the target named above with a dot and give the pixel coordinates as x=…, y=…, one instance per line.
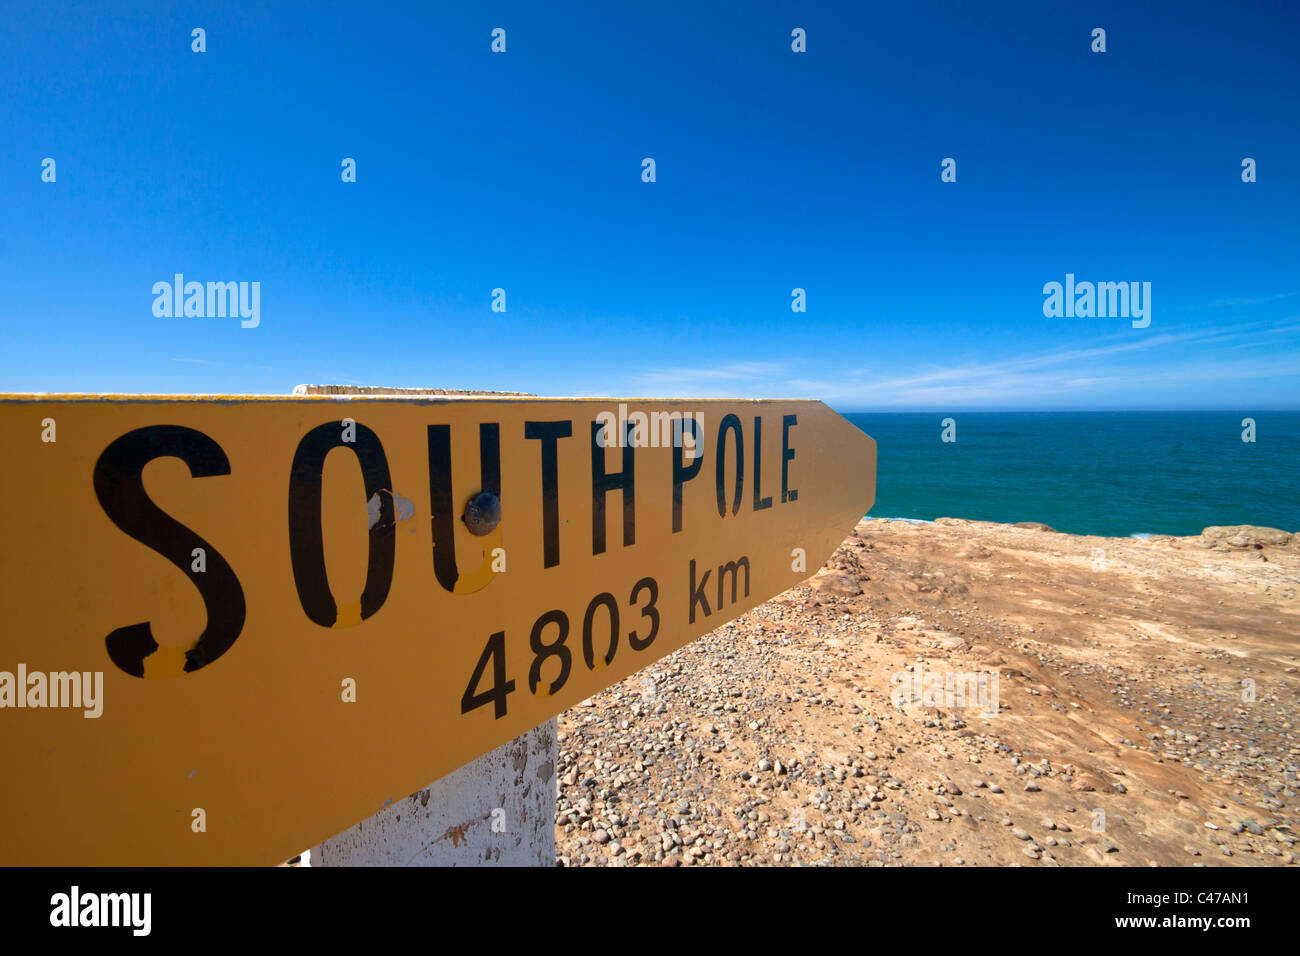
x=775, y=170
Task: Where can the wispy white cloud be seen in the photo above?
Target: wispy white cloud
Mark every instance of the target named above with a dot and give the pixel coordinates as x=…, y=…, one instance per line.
x=1124, y=362
x=726, y=380
x=731, y=372
x=1236, y=303
x=1110, y=368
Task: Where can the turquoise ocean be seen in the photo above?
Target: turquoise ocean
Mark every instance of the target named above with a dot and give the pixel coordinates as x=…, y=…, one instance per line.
x=1104, y=473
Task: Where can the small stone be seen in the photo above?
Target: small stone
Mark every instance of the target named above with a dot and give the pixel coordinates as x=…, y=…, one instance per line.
x=600, y=836
x=1019, y=834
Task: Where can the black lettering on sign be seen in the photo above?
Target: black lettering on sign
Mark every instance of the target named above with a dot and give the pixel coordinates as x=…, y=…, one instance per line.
x=683, y=474
x=787, y=454
x=119, y=486
x=494, y=650
x=697, y=593
x=730, y=423
x=441, y=506
x=650, y=611
x=732, y=568
x=759, y=501
x=549, y=434
x=556, y=648
x=605, y=600
x=602, y=484
x=306, y=544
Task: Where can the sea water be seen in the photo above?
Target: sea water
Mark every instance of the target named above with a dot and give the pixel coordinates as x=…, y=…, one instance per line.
x=1103, y=473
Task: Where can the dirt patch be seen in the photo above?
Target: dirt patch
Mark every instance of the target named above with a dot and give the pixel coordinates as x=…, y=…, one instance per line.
x=1144, y=712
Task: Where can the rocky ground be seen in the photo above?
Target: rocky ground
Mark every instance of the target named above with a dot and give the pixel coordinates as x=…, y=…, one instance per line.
x=1145, y=712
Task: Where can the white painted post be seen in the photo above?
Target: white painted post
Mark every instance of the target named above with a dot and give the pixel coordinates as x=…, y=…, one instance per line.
x=498, y=810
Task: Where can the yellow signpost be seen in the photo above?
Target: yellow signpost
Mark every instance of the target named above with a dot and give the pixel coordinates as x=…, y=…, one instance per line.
x=235, y=626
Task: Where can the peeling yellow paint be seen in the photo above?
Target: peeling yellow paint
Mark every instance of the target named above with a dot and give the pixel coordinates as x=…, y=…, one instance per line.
x=165, y=663
x=349, y=614
x=482, y=575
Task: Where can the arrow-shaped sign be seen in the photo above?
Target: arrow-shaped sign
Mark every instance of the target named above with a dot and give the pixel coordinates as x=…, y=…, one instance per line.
x=235, y=626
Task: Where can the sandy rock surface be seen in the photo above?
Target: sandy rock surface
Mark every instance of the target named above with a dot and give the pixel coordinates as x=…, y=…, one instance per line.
x=964, y=694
